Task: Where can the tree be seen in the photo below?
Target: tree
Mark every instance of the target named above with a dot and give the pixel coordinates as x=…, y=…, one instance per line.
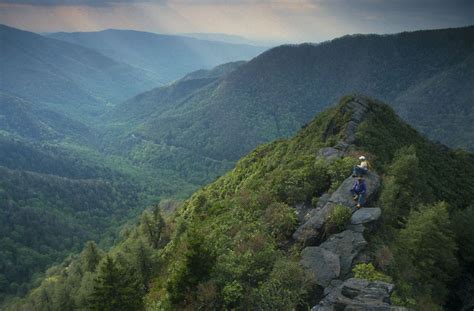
x=115, y=289
x=152, y=224
x=404, y=187
x=426, y=250
x=143, y=262
x=91, y=257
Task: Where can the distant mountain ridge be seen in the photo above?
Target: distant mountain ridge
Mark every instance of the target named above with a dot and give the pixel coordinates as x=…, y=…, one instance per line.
x=164, y=57
x=68, y=77
x=425, y=75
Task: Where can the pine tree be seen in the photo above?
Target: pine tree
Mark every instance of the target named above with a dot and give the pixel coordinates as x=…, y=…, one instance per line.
x=116, y=289
x=152, y=224
x=91, y=257
x=143, y=262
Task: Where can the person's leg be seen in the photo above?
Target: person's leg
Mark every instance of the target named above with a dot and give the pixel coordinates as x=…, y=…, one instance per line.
x=361, y=200
x=354, y=195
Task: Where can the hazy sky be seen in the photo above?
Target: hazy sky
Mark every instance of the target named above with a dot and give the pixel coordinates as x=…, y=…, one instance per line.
x=270, y=20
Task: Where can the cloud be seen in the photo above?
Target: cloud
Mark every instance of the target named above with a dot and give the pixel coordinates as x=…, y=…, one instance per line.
x=92, y=3
x=289, y=21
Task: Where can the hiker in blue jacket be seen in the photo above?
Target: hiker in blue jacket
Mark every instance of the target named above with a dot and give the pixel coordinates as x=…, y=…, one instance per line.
x=358, y=190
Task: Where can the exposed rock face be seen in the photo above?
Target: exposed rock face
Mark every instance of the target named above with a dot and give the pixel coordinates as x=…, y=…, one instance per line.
x=323, y=200
x=333, y=258
x=309, y=232
x=343, y=195
x=323, y=265
x=359, y=106
x=366, y=215
x=347, y=245
x=358, y=294
x=332, y=261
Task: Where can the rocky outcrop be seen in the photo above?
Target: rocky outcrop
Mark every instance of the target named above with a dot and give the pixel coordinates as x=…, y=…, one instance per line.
x=322, y=265
x=358, y=294
x=343, y=195
x=309, y=233
x=366, y=215
x=332, y=261
x=359, y=106
x=347, y=245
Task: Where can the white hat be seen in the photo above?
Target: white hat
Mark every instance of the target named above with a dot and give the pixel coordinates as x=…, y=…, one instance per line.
x=361, y=158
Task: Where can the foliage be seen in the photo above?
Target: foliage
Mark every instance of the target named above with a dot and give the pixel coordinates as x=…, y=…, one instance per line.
x=367, y=271
x=280, y=219
x=226, y=246
x=404, y=186
x=286, y=288
x=462, y=226
x=91, y=257
x=274, y=94
x=426, y=252
x=152, y=225
x=116, y=289
x=338, y=218
x=339, y=170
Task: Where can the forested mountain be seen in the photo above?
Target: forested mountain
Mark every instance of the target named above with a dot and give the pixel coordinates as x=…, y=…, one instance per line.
x=35, y=121
x=72, y=162
x=55, y=197
x=424, y=75
x=163, y=57
x=232, y=245
x=67, y=77
x=58, y=189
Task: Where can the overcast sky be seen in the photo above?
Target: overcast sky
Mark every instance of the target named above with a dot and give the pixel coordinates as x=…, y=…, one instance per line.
x=269, y=20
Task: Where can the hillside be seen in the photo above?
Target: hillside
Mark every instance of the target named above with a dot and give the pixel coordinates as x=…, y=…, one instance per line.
x=36, y=122
x=67, y=77
x=55, y=197
x=424, y=75
x=164, y=57
x=233, y=244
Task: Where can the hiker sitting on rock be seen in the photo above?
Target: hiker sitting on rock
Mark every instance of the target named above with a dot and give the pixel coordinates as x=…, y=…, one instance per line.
x=358, y=191
x=362, y=168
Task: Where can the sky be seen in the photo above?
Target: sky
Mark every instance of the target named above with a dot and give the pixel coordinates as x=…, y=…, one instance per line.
x=270, y=21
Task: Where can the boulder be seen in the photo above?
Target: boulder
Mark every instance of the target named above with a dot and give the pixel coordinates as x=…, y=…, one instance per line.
x=358, y=294
x=323, y=200
x=356, y=228
x=322, y=264
x=309, y=232
x=366, y=215
x=343, y=194
x=347, y=245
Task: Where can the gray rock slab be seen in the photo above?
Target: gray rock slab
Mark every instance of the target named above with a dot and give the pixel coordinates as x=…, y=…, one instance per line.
x=323, y=265
x=323, y=199
x=347, y=245
x=343, y=195
x=366, y=215
x=311, y=229
x=359, y=294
